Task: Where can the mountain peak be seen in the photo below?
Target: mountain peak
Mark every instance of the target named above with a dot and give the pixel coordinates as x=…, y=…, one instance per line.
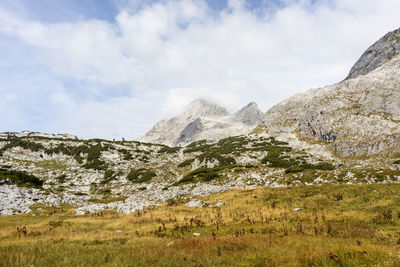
x=202, y=107
x=378, y=54
x=204, y=119
x=249, y=114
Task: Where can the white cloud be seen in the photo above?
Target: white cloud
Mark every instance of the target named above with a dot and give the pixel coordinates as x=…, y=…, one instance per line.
x=170, y=52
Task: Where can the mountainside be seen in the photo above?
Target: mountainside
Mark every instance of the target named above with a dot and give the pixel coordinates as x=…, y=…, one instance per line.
x=358, y=116
x=203, y=119
x=94, y=175
x=212, y=151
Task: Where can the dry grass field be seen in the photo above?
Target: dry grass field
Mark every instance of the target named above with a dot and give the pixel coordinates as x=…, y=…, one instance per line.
x=330, y=225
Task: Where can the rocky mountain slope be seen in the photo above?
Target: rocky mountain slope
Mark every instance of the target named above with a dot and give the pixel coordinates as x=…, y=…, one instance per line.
x=203, y=119
x=93, y=175
x=358, y=116
x=300, y=142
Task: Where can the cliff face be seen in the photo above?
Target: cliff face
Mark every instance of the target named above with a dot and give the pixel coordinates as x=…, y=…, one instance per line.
x=358, y=116
x=203, y=119
x=378, y=54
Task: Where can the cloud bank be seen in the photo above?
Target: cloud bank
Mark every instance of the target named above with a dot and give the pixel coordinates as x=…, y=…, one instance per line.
x=115, y=78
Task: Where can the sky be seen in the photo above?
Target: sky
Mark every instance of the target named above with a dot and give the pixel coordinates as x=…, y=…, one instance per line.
x=113, y=68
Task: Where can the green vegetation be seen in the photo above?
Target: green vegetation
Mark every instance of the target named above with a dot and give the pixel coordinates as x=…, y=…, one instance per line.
x=25, y=144
x=337, y=225
x=68, y=150
x=51, y=165
x=203, y=174
x=278, y=158
x=109, y=175
x=126, y=153
x=319, y=166
x=140, y=175
x=61, y=178
x=93, y=158
x=107, y=200
x=20, y=178
x=185, y=163
x=167, y=149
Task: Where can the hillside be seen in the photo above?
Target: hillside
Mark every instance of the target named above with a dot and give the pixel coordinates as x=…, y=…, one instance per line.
x=93, y=175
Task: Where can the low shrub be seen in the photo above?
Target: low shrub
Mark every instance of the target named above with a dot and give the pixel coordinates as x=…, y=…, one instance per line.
x=294, y=169
x=185, y=163
x=167, y=149
x=140, y=175
x=96, y=164
x=61, y=178
x=108, y=176
x=21, y=178
x=18, y=142
x=204, y=174
x=126, y=154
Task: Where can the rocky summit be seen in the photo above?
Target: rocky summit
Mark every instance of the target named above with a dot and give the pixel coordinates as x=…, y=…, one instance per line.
x=358, y=116
x=203, y=119
x=378, y=54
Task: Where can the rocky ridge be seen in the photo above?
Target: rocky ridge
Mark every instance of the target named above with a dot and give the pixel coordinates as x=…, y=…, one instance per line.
x=36, y=134
x=378, y=54
x=203, y=119
x=358, y=116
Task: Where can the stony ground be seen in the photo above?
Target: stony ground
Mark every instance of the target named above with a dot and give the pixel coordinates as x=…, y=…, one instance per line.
x=94, y=175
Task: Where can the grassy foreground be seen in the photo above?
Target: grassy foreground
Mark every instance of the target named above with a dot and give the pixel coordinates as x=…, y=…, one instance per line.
x=338, y=225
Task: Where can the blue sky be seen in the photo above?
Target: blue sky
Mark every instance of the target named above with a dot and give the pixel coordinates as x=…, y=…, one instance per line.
x=111, y=69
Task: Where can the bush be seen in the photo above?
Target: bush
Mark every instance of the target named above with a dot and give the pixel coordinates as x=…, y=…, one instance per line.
x=278, y=162
x=126, y=153
x=210, y=156
x=18, y=142
x=93, y=158
x=205, y=174
x=96, y=165
x=324, y=166
x=108, y=176
x=21, y=178
x=294, y=169
x=68, y=150
x=128, y=156
x=61, y=178
x=140, y=175
x=208, y=176
x=167, y=149
x=104, y=191
x=94, y=152
x=185, y=163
